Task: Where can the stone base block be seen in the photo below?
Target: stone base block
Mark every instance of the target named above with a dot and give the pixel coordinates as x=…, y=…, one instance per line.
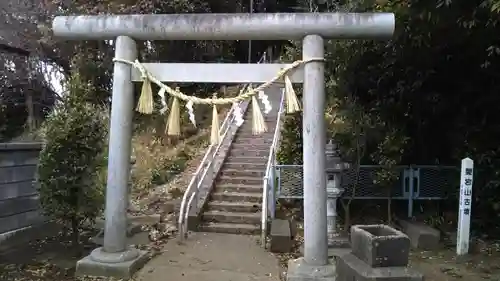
x=340, y=242
x=332, y=251
x=87, y=266
x=380, y=245
x=349, y=268
x=281, y=236
x=421, y=235
x=337, y=252
x=298, y=270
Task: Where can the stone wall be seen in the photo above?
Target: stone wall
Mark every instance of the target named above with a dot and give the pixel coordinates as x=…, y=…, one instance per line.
x=19, y=202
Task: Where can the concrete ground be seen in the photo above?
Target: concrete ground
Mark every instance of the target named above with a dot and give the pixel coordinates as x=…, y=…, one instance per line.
x=212, y=257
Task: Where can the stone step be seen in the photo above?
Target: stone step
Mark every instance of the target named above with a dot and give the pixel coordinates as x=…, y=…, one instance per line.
x=249, y=152
x=244, y=165
x=247, y=159
x=248, y=124
x=247, y=127
x=237, y=197
x=253, y=173
x=240, y=145
x=243, y=207
x=245, y=188
x=231, y=217
x=238, y=180
x=242, y=133
x=252, y=140
x=271, y=116
x=231, y=228
x=267, y=118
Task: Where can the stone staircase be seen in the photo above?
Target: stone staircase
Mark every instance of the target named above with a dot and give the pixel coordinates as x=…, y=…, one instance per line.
x=236, y=200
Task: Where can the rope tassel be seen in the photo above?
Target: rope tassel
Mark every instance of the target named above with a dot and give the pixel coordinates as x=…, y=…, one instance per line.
x=192, y=118
x=265, y=101
x=292, y=103
x=238, y=114
x=145, y=104
x=215, y=136
x=258, y=123
x=174, y=120
x=164, y=105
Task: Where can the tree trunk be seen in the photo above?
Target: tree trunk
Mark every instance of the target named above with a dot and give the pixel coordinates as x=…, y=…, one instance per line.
x=389, y=211
x=347, y=217
x=31, y=112
x=75, y=234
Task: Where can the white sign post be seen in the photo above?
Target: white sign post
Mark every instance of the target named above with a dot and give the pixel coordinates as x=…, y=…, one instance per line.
x=463, y=233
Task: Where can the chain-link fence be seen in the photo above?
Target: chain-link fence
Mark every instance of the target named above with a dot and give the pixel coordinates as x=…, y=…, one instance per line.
x=411, y=182
x=289, y=179
x=362, y=183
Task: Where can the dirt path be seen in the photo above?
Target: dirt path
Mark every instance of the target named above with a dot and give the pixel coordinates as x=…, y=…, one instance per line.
x=443, y=265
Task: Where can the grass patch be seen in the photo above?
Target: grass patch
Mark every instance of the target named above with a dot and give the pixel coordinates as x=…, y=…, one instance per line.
x=157, y=163
x=158, y=158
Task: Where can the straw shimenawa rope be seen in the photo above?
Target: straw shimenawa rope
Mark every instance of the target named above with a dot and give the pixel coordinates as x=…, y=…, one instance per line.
x=145, y=104
x=217, y=101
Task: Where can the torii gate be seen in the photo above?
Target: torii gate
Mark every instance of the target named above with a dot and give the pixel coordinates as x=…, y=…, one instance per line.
x=114, y=258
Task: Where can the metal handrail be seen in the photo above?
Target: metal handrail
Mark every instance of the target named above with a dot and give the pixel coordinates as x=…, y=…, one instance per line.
x=206, y=165
x=270, y=165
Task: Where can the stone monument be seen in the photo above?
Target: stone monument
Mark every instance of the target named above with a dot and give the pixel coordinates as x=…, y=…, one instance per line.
x=379, y=252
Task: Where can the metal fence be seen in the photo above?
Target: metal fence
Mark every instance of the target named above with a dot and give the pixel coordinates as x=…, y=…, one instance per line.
x=416, y=182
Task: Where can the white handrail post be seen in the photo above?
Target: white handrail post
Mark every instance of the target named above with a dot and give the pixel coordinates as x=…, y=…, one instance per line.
x=264, y=214
x=195, y=194
x=268, y=196
x=273, y=189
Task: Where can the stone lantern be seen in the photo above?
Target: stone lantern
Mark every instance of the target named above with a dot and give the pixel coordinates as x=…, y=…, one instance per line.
x=334, y=169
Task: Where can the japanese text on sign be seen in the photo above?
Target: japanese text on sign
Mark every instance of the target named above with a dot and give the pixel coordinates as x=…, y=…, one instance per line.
x=466, y=190
x=466, y=181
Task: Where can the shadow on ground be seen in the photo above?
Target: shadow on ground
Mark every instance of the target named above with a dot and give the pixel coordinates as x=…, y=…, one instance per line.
x=52, y=259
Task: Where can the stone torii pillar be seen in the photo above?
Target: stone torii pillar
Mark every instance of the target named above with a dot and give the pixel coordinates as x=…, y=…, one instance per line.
x=115, y=258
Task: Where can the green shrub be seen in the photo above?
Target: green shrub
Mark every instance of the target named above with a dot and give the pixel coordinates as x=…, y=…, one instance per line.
x=290, y=151
x=72, y=162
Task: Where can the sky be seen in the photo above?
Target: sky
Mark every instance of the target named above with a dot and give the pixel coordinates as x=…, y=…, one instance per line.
x=55, y=77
